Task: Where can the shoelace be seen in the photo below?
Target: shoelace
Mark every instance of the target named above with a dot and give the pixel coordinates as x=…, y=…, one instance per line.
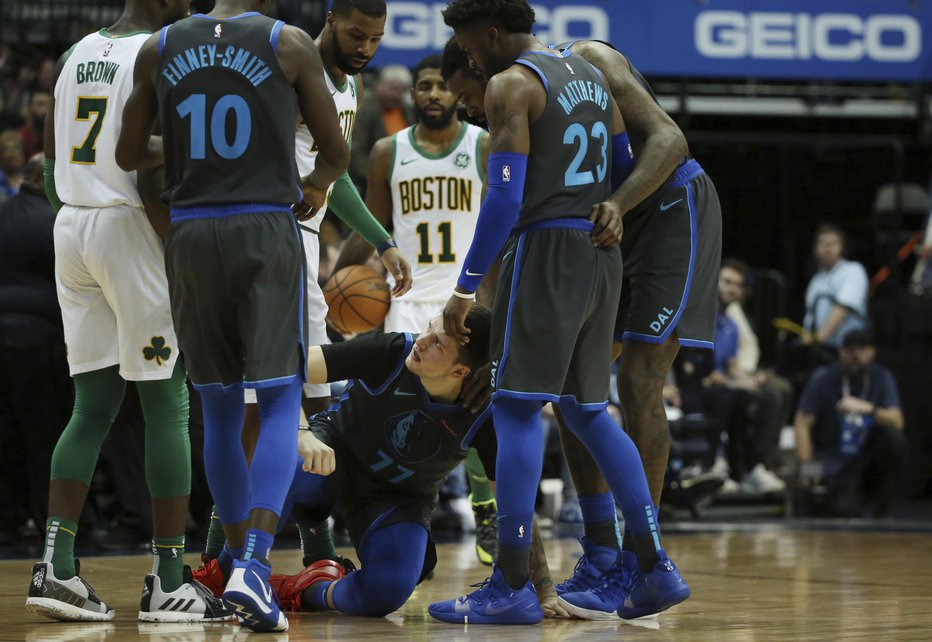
x=483, y=589
x=619, y=580
x=582, y=566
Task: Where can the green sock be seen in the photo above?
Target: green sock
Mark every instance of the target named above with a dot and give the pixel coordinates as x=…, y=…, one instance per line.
x=316, y=541
x=478, y=482
x=215, y=536
x=168, y=561
x=59, y=546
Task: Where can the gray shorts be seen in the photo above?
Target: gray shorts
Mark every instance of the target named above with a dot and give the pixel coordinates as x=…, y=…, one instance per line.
x=672, y=256
x=236, y=285
x=553, y=317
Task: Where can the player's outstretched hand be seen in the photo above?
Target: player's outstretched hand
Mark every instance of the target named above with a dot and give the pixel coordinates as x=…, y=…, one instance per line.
x=398, y=268
x=477, y=388
x=318, y=457
x=606, y=216
x=454, y=318
x=552, y=608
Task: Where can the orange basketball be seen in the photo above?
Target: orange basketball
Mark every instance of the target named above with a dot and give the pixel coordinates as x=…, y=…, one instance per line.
x=358, y=299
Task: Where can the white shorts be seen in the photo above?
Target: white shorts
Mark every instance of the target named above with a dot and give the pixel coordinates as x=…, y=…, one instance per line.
x=316, y=314
x=113, y=293
x=411, y=316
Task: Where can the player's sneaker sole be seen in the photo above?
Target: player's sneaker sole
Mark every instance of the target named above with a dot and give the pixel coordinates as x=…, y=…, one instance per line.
x=58, y=610
x=65, y=600
x=595, y=614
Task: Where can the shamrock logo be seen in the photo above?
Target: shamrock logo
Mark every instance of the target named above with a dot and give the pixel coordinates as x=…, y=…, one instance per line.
x=461, y=160
x=158, y=350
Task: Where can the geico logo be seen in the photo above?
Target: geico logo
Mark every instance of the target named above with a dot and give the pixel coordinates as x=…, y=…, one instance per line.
x=803, y=36
x=418, y=25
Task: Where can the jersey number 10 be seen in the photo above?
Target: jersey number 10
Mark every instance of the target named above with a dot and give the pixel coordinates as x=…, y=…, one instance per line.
x=195, y=106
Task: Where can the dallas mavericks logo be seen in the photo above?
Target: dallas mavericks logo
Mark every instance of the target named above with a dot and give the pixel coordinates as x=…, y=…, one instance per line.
x=413, y=437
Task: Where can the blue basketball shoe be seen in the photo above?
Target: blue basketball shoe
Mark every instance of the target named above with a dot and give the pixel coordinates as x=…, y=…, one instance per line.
x=591, y=569
x=493, y=603
x=656, y=591
x=250, y=597
x=601, y=602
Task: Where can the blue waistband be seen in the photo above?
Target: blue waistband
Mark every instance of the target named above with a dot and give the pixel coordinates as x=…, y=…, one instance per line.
x=686, y=172
x=569, y=222
x=220, y=211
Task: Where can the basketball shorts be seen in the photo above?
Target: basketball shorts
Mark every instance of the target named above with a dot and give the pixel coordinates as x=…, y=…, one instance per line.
x=110, y=276
x=237, y=295
x=553, y=316
x=316, y=312
x=411, y=316
x=672, y=256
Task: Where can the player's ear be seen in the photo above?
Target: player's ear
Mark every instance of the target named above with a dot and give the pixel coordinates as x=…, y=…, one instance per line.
x=330, y=18
x=461, y=371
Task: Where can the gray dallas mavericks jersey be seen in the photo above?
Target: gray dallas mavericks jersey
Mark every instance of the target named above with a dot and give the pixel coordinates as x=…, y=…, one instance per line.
x=568, y=167
x=227, y=113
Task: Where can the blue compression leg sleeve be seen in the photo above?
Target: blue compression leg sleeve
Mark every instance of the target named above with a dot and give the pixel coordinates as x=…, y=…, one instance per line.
x=224, y=460
x=392, y=559
x=619, y=461
x=273, y=463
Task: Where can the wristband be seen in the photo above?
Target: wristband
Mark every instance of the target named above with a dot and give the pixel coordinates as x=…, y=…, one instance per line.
x=471, y=296
x=385, y=245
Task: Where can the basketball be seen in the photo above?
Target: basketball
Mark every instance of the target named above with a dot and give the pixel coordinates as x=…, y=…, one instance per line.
x=358, y=299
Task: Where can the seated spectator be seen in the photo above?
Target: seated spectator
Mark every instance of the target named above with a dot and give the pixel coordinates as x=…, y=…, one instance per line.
x=774, y=398
x=30, y=132
x=850, y=420
x=715, y=386
x=836, y=297
x=12, y=160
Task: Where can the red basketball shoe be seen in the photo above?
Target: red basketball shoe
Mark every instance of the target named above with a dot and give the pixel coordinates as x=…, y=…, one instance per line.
x=290, y=587
x=211, y=576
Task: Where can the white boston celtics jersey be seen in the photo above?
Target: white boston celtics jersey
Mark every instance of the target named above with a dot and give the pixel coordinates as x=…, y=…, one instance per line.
x=346, y=101
x=435, y=205
x=90, y=95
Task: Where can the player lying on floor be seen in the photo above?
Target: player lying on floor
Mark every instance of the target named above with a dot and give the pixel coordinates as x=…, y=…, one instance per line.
x=382, y=452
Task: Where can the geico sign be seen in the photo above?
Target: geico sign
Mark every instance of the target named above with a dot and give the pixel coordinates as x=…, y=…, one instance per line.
x=419, y=25
x=803, y=36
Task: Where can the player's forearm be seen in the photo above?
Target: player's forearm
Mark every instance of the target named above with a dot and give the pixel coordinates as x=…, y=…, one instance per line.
x=889, y=417
x=356, y=251
x=48, y=174
x=132, y=155
x=349, y=207
x=802, y=426
x=661, y=153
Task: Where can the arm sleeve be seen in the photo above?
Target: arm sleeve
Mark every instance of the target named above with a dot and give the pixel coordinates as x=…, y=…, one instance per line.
x=622, y=159
x=346, y=203
x=373, y=358
x=48, y=174
x=497, y=216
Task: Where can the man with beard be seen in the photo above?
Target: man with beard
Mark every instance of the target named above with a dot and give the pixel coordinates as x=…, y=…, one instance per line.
x=425, y=185
x=347, y=43
x=850, y=419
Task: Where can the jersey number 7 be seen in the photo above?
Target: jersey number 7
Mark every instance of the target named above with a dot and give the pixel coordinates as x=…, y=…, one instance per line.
x=86, y=154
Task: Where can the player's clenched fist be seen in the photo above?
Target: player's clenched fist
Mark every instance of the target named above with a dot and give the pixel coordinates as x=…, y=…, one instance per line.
x=318, y=457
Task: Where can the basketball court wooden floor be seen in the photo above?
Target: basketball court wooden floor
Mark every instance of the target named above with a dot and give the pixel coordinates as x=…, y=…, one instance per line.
x=771, y=583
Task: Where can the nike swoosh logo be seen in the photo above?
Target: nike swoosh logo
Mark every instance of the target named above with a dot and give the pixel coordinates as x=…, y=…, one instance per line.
x=468, y=273
x=665, y=206
x=399, y=393
x=266, y=591
x=410, y=160
x=491, y=609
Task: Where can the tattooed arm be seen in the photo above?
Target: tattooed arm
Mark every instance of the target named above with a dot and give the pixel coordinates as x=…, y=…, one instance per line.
x=513, y=99
x=658, y=143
